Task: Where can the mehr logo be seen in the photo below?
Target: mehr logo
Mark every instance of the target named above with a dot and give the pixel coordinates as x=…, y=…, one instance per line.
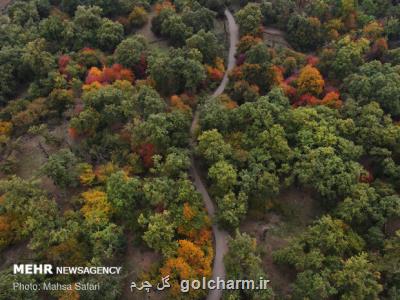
x=33, y=269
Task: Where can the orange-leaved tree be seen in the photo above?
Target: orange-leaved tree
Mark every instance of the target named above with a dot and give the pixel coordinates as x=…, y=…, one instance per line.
x=178, y=103
x=191, y=262
x=6, y=233
x=109, y=74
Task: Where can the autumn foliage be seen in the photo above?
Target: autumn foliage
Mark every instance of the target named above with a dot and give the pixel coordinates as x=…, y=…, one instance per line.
x=331, y=99
x=6, y=233
x=63, y=62
x=5, y=128
x=102, y=172
x=188, y=212
x=367, y=177
x=141, y=68
x=67, y=253
x=178, y=102
x=164, y=5
x=288, y=90
x=109, y=74
x=277, y=75
x=73, y=133
x=312, y=60
x=216, y=73
x=86, y=174
x=310, y=81
x=96, y=208
x=146, y=152
x=248, y=41
x=89, y=57
x=71, y=294
x=227, y=102
x=191, y=262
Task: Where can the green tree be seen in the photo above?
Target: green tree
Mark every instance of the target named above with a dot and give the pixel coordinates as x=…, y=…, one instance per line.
x=232, y=209
x=321, y=246
x=215, y=5
x=138, y=17
x=33, y=213
x=61, y=168
x=106, y=242
x=249, y=19
x=213, y=147
x=328, y=173
x=223, y=177
x=60, y=99
x=8, y=84
x=358, y=279
x=304, y=32
x=87, y=21
x=86, y=122
x=176, y=162
x=54, y=30
x=243, y=262
x=260, y=75
x=358, y=208
x=130, y=51
x=160, y=232
x=311, y=285
x=123, y=192
x=345, y=58
x=389, y=264
x=379, y=82
x=193, y=74
x=147, y=101
x=258, y=54
x=158, y=191
x=175, y=29
x=278, y=11
x=157, y=21
x=274, y=142
x=199, y=18
x=206, y=43
x=173, y=72
x=37, y=58
x=23, y=13
x=69, y=6
x=6, y=280
x=109, y=34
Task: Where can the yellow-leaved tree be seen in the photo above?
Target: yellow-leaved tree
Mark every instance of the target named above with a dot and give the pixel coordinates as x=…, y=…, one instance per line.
x=310, y=81
x=96, y=209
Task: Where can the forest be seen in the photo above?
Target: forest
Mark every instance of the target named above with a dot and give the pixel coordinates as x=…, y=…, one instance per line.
x=201, y=138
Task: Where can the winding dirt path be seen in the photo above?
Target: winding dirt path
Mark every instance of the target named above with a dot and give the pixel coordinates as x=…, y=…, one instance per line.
x=220, y=236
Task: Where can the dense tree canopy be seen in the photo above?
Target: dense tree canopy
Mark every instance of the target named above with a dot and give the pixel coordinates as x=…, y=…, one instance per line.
x=379, y=82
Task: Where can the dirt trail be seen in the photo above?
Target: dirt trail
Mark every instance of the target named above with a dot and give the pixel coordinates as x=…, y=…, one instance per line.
x=146, y=29
x=4, y=4
x=220, y=236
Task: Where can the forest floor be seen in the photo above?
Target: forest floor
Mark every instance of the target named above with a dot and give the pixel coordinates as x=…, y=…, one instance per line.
x=275, y=38
x=33, y=152
x=30, y=155
x=294, y=211
x=12, y=255
x=138, y=261
x=146, y=31
x=4, y=3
